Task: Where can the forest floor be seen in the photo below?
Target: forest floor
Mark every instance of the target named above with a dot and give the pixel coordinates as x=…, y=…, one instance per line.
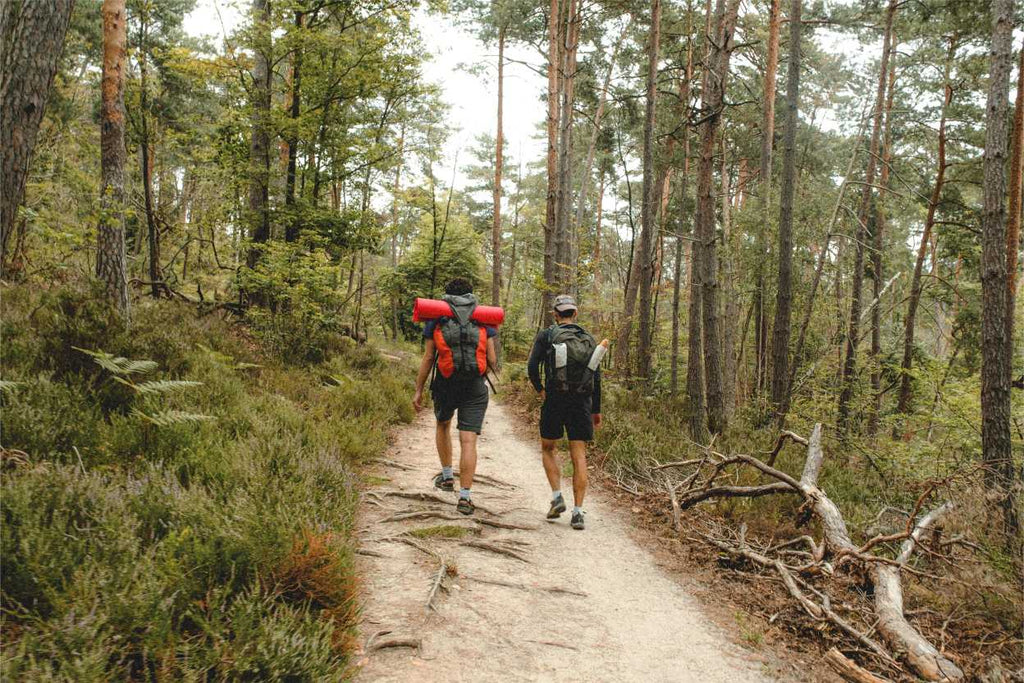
x=542, y=602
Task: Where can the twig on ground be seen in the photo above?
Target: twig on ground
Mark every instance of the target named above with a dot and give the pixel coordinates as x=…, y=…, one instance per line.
x=441, y=571
x=369, y=553
x=553, y=643
x=372, y=644
x=850, y=670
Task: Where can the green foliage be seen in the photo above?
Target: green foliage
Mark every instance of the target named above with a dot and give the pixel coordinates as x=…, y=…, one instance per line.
x=153, y=542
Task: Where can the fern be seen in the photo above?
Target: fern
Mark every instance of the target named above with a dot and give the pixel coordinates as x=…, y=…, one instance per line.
x=226, y=360
x=119, y=365
x=167, y=418
x=164, y=386
x=9, y=386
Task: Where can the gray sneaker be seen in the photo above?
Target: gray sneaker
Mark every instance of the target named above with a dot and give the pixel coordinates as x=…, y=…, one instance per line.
x=577, y=521
x=557, y=508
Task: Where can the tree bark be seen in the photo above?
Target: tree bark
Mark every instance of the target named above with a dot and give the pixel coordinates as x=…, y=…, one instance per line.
x=853, y=330
x=33, y=39
x=551, y=211
x=728, y=311
x=684, y=102
x=765, y=186
x=1015, y=186
x=597, y=240
x=784, y=288
x=713, y=95
x=648, y=210
x=145, y=146
x=111, y=263
x=259, y=146
x=563, y=238
x=878, y=249
x=995, y=351
x=904, y=402
x=291, y=231
x=499, y=142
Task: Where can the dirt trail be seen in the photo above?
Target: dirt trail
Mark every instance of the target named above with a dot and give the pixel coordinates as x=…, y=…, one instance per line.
x=625, y=619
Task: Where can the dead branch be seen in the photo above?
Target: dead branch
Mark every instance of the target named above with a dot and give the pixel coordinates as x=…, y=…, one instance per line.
x=680, y=463
x=675, y=505
x=781, y=441
x=441, y=571
x=849, y=670
x=734, y=492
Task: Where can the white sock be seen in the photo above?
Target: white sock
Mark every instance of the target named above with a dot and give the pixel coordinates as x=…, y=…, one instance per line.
x=555, y=495
x=464, y=493
x=577, y=510
x=446, y=473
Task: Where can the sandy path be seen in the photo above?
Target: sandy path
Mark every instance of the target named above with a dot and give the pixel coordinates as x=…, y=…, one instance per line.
x=633, y=623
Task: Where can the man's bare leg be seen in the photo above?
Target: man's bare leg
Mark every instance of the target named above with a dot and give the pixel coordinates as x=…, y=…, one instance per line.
x=443, y=437
x=578, y=452
x=467, y=458
x=551, y=467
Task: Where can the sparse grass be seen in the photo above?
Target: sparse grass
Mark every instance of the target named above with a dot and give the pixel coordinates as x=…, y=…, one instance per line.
x=217, y=550
x=440, y=531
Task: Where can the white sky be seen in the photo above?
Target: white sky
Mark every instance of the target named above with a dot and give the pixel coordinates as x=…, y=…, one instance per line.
x=473, y=99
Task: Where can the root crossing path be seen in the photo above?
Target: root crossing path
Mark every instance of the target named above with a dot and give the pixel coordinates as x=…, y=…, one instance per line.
x=506, y=595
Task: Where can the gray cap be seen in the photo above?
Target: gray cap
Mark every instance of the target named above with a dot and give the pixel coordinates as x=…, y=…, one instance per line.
x=565, y=302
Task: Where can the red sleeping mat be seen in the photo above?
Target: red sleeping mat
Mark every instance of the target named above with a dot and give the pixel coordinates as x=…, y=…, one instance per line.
x=431, y=309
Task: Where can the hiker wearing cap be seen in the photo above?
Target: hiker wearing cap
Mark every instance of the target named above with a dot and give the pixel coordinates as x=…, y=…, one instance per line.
x=459, y=351
x=571, y=392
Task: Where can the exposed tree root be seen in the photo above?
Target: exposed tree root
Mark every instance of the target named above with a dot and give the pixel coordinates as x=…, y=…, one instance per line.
x=425, y=497
x=438, y=578
x=525, y=587
x=497, y=549
x=373, y=644
x=435, y=514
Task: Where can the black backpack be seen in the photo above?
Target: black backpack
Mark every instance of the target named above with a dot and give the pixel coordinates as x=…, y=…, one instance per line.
x=461, y=342
x=567, y=366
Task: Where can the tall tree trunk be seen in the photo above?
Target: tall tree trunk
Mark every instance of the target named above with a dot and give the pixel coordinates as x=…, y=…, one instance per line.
x=995, y=352
x=259, y=146
x=599, y=209
x=784, y=288
x=551, y=211
x=33, y=39
x=563, y=236
x=729, y=309
x=499, y=142
x=648, y=210
x=684, y=116
x=904, y=402
x=853, y=330
x=1013, y=221
x=111, y=264
x=581, y=203
x=878, y=249
x=395, y=190
x=764, y=180
x=152, y=232
x=713, y=96
x=291, y=231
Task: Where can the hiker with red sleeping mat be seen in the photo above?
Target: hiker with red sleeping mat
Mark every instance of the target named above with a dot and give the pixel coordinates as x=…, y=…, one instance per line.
x=459, y=350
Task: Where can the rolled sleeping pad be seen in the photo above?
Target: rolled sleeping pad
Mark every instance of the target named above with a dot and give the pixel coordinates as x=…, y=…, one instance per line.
x=431, y=309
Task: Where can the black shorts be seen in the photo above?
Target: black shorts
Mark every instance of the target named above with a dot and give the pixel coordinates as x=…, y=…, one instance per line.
x=567, y=415
x=469, y=398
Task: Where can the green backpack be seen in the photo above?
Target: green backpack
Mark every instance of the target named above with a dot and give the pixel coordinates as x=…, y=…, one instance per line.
x=569, y=358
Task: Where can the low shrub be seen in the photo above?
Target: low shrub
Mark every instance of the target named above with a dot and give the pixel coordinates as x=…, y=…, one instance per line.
x=139, y=542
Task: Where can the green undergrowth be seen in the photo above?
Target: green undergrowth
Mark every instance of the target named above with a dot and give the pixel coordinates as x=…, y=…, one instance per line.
x=189, y=517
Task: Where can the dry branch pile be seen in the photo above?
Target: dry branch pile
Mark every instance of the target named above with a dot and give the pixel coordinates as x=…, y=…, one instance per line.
x=805, y=565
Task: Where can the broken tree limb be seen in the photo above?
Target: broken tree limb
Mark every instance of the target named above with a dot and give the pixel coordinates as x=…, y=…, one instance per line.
x=781, y=441
x=849, y=670
x=920, y=655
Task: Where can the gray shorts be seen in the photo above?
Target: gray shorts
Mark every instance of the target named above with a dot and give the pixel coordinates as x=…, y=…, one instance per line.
x=469, y=398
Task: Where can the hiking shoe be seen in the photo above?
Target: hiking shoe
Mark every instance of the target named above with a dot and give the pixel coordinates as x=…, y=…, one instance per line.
x=557, y=508
x=577, y=521
x=444, y=484
x=465, y=506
